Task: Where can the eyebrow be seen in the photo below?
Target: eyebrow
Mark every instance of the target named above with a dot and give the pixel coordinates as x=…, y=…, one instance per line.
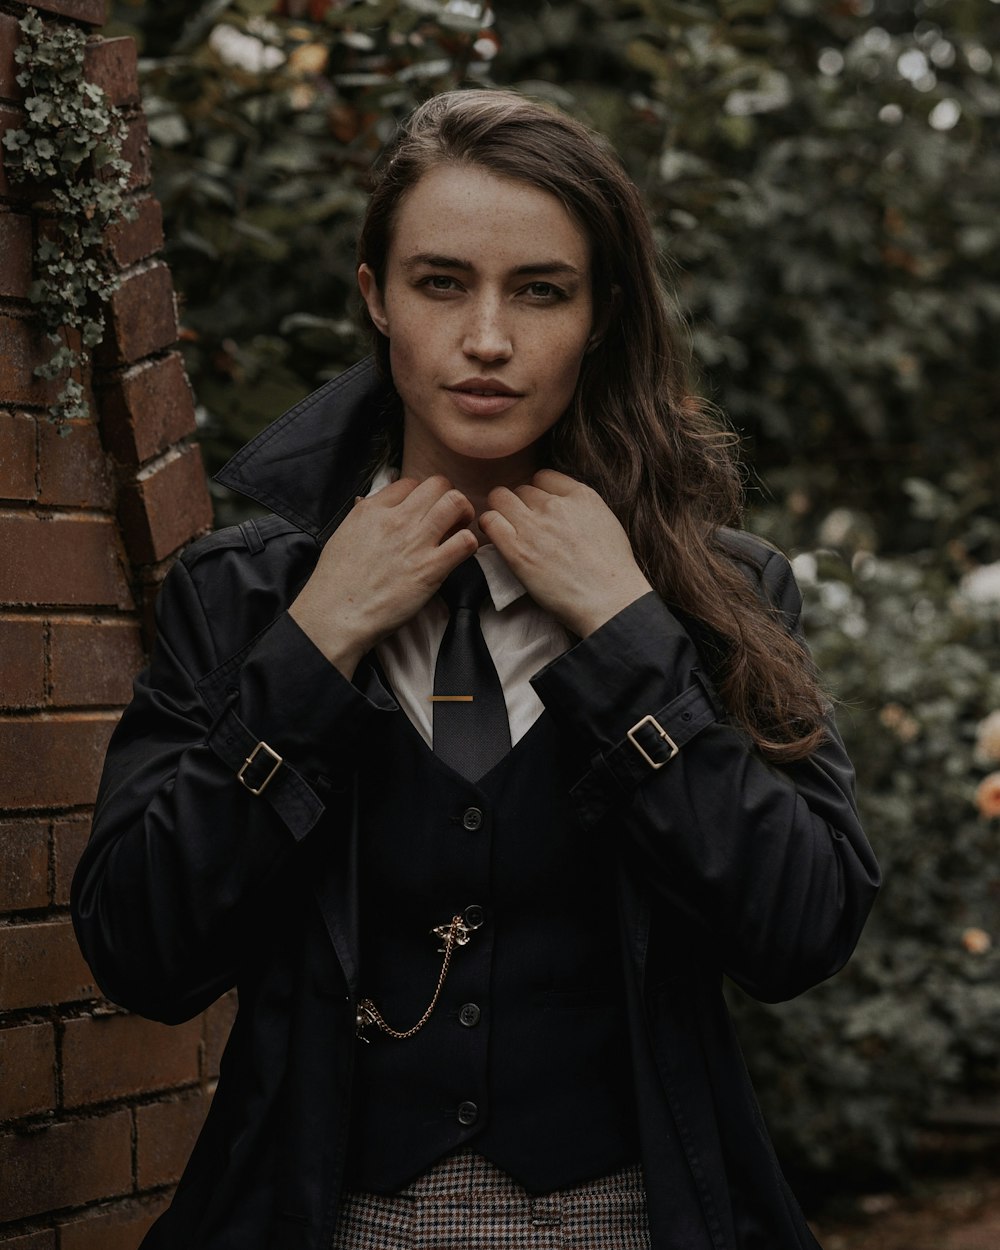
x=435, y=261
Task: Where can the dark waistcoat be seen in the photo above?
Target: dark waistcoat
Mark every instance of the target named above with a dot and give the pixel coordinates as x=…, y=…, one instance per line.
x=526, y=1056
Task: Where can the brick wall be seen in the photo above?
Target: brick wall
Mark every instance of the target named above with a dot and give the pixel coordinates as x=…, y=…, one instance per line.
x=98, y=1108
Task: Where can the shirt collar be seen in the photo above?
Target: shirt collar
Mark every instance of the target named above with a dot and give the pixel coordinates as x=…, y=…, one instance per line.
x=504, y=587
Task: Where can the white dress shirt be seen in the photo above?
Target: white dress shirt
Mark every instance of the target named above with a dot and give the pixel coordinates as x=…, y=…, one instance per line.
x=522, y=638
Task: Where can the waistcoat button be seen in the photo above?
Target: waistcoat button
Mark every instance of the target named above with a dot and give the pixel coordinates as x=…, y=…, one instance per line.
x=472, y=819
x=468, y=1113
x=474, y=916
x=469, y=1015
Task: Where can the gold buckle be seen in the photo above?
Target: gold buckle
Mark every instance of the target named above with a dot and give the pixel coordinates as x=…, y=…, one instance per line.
x=651, y=720
x=278, y=761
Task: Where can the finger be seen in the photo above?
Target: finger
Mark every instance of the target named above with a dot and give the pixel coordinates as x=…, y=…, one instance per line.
x=453, y=508
x=395, y=492
x=454, y=550
x=498, y=529
x=425, y=496
x=507, y=503
x=554, y=482
x=532, y=496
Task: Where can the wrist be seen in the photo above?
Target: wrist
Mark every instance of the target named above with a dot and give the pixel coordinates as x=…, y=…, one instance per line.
x=588, y=618
x=342, y=646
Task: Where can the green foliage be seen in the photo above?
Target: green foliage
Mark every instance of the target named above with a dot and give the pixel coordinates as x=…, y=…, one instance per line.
x=821, y=178
x=849, y=1071
x=264, y=126
x=71, y=149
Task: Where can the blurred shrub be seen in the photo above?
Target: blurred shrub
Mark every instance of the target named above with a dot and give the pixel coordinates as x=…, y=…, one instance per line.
x=822, y=175
x=849, y=1071
x=265, y=119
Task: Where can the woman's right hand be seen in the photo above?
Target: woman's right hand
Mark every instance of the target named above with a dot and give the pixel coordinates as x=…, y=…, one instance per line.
x=381, y=565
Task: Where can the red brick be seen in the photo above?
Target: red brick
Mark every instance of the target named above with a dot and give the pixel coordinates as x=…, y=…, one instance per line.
x=107, y=1057
x=111, y=65
x=10, y=37
x=27, y=1069
x=69, y=837
x=10, y=119
x=166, y=507
x=93, y=661
x=218, y=1021
x=53, y=761
x=72, y=466
x=24, y=346
x=63, y=560
x=137, y=150
x=17, y=456
x=17, y=242
x=45, y=1240
x=147, y=410
x=91, y=12
x=120, y=1226
x=22, y=656
x=132, y=241
x=166, y=1134
x=41, y=964
x=148, y=588
x=65, y=1165
x=24, y=865
x=142, y=318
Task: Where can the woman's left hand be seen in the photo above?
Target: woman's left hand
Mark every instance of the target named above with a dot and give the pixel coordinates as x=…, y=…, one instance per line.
x=567, y=547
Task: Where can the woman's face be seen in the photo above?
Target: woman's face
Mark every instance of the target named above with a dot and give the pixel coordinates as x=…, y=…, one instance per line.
x=487, y=307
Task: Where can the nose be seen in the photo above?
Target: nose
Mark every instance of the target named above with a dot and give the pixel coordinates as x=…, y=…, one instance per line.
x=486, y=335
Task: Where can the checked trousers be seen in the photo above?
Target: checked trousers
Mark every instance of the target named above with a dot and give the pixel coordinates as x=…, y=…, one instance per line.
x=466, y=1203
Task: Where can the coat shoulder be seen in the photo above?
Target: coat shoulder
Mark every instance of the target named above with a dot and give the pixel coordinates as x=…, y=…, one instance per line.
x=251, y=536
x=765, y=566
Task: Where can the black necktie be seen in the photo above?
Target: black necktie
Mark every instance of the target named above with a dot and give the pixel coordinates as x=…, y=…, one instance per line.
x=471, y=730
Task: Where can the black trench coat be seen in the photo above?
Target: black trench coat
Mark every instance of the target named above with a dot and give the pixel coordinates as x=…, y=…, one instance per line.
x=191, y=884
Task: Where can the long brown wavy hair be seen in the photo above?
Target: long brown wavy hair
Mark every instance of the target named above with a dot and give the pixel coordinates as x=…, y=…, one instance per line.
x=635, y=431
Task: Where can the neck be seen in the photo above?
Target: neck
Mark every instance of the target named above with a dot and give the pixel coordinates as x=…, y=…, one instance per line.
x=474, y=478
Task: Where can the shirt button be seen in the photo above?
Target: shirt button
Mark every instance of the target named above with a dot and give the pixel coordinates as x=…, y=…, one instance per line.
x=473, y=917
x=469, y=1015
x=468, y=1113
x=472, y=819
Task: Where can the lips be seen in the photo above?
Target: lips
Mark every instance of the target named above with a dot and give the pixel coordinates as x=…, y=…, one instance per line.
x=482, y=397
x=483, y=386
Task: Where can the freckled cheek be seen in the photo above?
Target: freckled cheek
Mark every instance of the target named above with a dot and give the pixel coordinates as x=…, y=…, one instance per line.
x=569, y=354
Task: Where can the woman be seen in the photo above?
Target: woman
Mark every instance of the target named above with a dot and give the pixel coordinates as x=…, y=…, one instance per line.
x=478, y=762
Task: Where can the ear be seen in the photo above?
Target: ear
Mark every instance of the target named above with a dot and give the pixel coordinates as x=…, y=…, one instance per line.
x=373, y=299
x=602, y=323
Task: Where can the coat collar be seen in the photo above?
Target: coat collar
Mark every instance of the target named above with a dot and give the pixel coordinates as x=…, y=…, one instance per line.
x=308, y=465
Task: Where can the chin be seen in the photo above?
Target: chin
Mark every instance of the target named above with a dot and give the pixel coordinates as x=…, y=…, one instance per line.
x=486, y=448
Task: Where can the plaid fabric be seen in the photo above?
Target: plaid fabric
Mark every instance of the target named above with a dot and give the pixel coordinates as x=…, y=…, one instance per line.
x=466, y=1203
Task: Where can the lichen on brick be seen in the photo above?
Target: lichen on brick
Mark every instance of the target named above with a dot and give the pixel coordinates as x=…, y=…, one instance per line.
x=70, y=148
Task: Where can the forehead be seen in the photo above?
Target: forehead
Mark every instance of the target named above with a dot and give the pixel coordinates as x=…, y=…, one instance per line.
x=494, y=221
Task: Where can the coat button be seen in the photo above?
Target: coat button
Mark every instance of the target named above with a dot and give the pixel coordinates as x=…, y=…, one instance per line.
x=469, y=1015
x=474, y=917
x=468, y=1113
x=472, y=819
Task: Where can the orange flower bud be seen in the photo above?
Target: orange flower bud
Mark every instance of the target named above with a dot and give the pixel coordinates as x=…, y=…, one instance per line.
x=988, y=796
x=976, y=941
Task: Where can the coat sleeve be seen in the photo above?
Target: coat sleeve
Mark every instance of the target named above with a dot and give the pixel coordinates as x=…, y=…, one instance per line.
x=176, y=874
x=768, y=866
